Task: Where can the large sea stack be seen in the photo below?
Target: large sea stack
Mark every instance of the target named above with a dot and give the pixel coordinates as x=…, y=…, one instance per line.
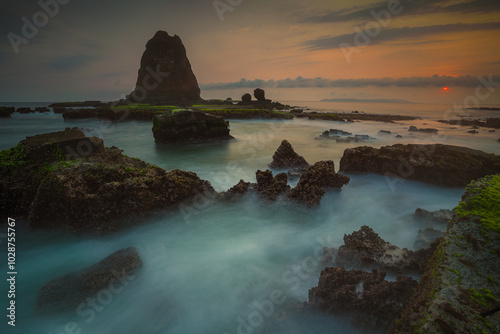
x=165, y=75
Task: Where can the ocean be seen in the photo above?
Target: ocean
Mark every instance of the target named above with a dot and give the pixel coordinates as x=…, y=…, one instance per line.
x=215, y=268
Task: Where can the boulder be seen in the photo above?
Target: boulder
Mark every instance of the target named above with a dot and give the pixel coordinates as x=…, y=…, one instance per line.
x=246, y=98
x=311, y=186
x=438, y=164
x=67, y=292
x=286, y=158
x=165, y=75
x=259, y=94
x=364, y=249
x=190, y=126
x=366, y=298
x=270, y=187
x=5, y=112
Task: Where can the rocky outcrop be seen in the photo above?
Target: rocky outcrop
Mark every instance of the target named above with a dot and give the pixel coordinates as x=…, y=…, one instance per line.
x=364, y=249
x=270, y=187
x=190, y=126
x=5, y=112
x=425, y=130
x=438, y=164
x=260, y=95
x=492, y=122
x=312, y=184
x=165, y=75
x=370, y=301
x=286, y=158
x=246, y=98
x=67, y=292
x=460, y=290
x=440, y=217
x=68, y=179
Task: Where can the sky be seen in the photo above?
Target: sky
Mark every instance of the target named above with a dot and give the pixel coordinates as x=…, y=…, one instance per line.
x=295, y=50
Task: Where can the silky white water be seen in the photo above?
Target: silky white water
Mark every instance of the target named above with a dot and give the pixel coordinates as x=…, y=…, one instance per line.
x=223, y=267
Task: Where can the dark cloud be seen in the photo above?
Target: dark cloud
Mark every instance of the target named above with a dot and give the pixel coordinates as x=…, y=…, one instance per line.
x=300, y=82
x=405, y=7
x=405, y=34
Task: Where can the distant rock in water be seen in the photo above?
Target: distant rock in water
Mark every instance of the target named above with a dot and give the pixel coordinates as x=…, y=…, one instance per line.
x=190, y=126
x=259, y=94
x=438, y=164
x=67, y=292
x=425, y=130
x=165, y=75
x=246, y=98
x=286, y=158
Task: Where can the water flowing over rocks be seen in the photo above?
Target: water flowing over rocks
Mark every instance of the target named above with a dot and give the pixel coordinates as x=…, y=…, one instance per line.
x=442, y=165
x=68, y=292
x=190, y=126
x=165, y=75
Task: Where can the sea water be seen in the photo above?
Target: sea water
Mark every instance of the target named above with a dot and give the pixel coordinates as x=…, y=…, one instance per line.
x=225, y=267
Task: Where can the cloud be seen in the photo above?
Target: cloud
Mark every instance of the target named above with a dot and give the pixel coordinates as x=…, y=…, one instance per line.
x=300, y=82
x=415, y=7
x=405, y=34
x=71, y=63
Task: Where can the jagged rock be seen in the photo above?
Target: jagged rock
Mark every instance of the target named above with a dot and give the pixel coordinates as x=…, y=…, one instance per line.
x=369, y=300
x=237, y=191
x=246, y=98
x=438, y=164
x=67, y=292
x=286, y=158
x=24, y=110
x=426, y=237
x=441, y=217
x=311, y=186
x=190, y=126
x=270, y=187
x=165, y=75
x=259, y=94
x=364, y=249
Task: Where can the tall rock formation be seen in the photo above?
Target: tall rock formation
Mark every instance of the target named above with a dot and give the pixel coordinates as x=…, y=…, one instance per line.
x=165, y=75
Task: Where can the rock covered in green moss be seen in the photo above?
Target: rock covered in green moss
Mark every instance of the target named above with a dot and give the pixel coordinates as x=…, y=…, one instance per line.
x=97, y=191
x=438, y=164
x=190, y=126
x=461, y=284
x=69, y=291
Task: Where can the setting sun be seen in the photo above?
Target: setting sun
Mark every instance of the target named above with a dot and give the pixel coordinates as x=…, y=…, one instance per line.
x=445, y=89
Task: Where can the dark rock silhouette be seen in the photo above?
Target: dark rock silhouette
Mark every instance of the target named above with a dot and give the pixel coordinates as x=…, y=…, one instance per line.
x=5, y=112
x=67, y=292
x=190, y=126
x=286, y=158
x=259, y=94
x=368, y=299
x=311, y=187
x=246, y=98
x=426, y=130
x=438, y=164
x=165, y=74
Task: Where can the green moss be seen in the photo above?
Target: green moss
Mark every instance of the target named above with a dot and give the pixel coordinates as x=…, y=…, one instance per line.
x=484, y=297
x=483, y=202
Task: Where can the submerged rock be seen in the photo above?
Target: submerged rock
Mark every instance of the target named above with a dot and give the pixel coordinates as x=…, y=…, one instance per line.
x=68, y=179
x=68, y=292
x=286, y=158
x=311, y=186
x=190, y=126
x=438, y=164
x=368, y=299
x=165, y=75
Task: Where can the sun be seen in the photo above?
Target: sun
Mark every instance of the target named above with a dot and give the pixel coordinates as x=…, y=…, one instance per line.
x=444, y=89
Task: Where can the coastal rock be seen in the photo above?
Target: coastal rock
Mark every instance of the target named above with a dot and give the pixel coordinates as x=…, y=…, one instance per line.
x=474, y=132
x=286, y=158
x=190, y=126
x=364, y=249
x=368, y=299
x=459, y=291
x=311, y=186
x=270, y=187
x=384, y=132
x=237, y=191
x=67, y=292
x=425, y=130
x=259, y=94
x=42, y=109
x=24, y=110
x=438, y=164
x=440, y=217
x=426, y=237
x=5, y=112
x=165, y=75
x=246, y=98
